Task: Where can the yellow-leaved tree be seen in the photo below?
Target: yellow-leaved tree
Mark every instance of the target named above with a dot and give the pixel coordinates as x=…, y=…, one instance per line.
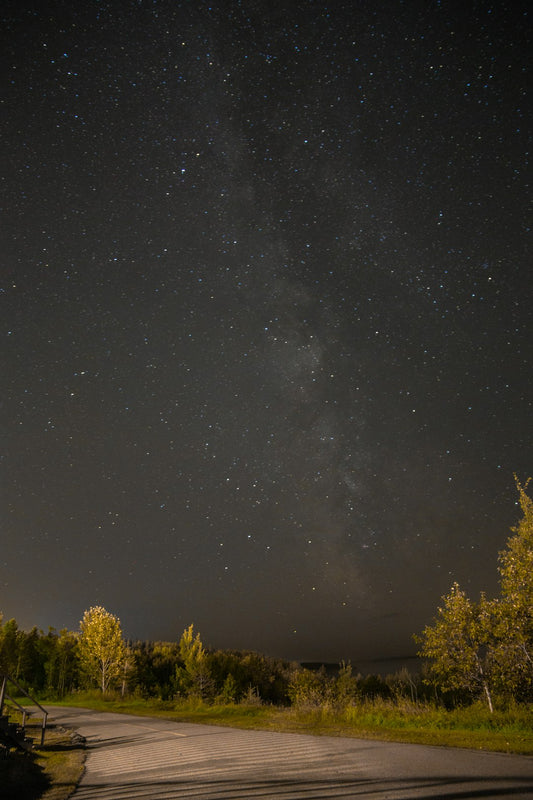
x=456, y=645
x=513, y=653
x=102, y=649
x=488, y=646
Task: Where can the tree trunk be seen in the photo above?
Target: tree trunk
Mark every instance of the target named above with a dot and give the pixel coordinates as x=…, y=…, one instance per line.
x=488, y=696
x=485, y=685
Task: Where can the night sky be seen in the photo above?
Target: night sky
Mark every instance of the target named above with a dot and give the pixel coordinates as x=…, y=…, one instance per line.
x=266, y=308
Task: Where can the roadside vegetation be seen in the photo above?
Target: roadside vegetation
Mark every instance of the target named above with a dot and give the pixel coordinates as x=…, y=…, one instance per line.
x=508, y=730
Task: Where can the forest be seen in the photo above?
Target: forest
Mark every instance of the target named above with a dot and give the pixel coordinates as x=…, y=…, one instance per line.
x=51, y=666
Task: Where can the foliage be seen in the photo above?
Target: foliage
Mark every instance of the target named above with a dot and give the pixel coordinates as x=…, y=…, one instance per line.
x=11, y=648
x=153, y=668
x=310, y=689
x=102, y=651
x=61, y=661
x=402, y=685
x=456, y=644
x=487, y=646
x=315, y=689
x=41, y=663
x=513, y=654
x=229, y=693
x=346, y=686
x=193, y=678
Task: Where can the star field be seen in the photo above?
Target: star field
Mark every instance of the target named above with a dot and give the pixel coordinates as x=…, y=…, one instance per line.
x=266, y=315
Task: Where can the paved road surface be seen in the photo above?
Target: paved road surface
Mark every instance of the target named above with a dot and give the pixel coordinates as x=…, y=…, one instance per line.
x=143, y=758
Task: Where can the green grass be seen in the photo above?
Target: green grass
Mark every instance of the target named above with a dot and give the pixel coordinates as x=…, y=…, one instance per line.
x=507, y=731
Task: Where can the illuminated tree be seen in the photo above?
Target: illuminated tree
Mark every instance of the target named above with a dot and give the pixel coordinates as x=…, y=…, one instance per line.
x=194, y=677
x=489, y=645
x=101, y=647
x=310, y=689
x=457, y=644
x=191, y=649
x=513, y=655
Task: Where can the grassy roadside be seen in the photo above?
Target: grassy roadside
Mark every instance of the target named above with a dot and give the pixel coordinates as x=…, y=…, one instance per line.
x=474, y=728
x=53, y=771
x=50, y=772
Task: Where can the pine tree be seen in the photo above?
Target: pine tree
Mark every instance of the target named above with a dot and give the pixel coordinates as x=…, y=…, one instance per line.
x=194, y=678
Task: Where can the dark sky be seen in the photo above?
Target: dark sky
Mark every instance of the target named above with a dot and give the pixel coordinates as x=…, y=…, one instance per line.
x=266, y=308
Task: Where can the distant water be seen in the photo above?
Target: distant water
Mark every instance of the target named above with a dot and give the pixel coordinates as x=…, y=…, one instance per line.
x=383, y=666
x=387, y=666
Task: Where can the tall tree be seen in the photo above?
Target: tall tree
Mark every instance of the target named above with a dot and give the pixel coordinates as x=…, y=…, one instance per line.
x=102, y=650
x=10, y=648
x=191, y=648
x=194, y=677
x=489, y=645
x=513, y=655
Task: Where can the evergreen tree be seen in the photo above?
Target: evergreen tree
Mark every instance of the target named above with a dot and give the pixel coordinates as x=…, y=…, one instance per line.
x=193, y=678
x=10, y=648
x=67, y=662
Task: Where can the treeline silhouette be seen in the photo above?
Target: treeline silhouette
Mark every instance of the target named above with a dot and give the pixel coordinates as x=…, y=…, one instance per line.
x=48, y=665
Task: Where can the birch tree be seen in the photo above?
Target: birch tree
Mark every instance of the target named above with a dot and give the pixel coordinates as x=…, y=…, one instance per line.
x=102, y=650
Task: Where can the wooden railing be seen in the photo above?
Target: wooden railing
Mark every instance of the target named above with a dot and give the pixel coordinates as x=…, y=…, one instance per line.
x=5, y=680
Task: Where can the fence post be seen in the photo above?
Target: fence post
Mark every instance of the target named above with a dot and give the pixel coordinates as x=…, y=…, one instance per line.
x=43, y=729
